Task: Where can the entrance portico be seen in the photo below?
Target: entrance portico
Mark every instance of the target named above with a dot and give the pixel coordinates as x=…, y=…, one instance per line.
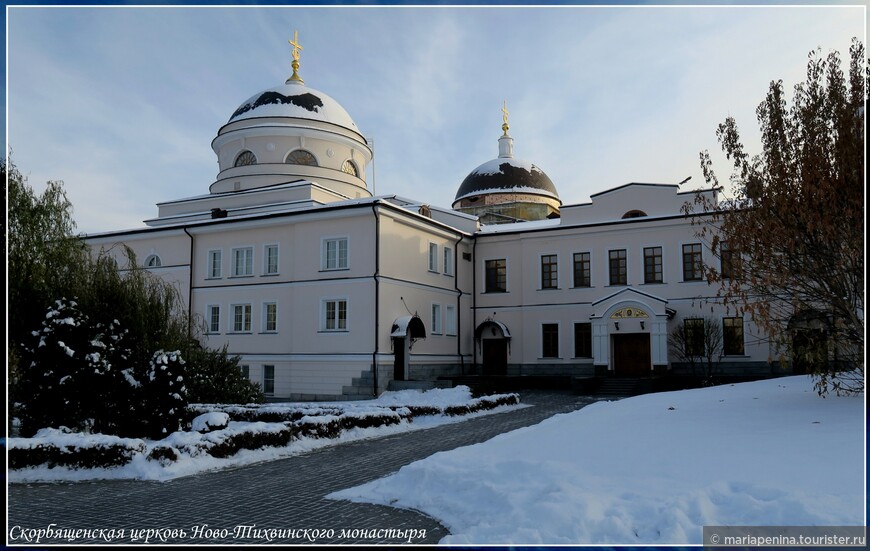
x=630, y=333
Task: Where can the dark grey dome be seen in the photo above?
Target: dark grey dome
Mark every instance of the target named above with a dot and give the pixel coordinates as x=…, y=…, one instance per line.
x=506, y=175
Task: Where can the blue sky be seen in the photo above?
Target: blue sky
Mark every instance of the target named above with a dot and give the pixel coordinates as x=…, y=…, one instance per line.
x=122, y=103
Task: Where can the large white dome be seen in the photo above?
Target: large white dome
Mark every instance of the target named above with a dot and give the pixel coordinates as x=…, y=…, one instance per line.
x=294, y=100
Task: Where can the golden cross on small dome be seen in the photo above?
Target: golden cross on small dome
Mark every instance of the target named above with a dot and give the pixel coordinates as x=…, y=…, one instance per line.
x=504, y=117
x=295, y=62
x=296, y=45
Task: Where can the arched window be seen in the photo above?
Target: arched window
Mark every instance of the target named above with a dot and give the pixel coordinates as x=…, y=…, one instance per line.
x=350, y=168
x=153, y=261
x=634, y=214
x=245, y=158
x=300, y=157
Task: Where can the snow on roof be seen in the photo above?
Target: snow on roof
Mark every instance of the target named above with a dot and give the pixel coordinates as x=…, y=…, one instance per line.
x=521, y=226
x=295, y=101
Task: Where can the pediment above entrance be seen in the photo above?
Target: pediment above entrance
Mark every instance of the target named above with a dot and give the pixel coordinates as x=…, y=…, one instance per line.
x=629, y=303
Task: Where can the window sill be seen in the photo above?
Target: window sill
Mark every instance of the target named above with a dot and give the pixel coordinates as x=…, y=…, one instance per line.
x=733, y=356
x=495, y=292
x=213, y=278
x=582, y=358
x=239, y=333
x=322, y=270
x=583, y=287
x=268, y=332
x=240, y=276
x=653, y=283
x=333, y=331
x=551, y=358
x=550, y=289
x=209, y=333
x=270, y=275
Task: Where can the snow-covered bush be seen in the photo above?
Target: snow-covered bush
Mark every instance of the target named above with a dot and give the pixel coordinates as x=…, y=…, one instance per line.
x=164, y=395
x=58, y=448
x=213, y=376
x=76, y=377
x=211, y=421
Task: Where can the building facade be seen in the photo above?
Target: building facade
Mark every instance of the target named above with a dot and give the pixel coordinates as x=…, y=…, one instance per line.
x=328, y=292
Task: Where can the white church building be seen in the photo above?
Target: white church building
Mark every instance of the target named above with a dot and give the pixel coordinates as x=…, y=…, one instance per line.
x=328, y=292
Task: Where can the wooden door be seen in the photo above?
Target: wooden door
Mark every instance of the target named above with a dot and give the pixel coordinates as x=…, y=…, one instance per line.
x=631, y=355
x=494, y=357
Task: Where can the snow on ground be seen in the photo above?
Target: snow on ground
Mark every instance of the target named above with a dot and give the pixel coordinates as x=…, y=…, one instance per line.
x=653, y=469
x=141, y=468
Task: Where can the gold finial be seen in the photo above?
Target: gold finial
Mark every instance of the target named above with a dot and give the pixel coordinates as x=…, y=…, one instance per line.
x=295, y=62
x=504, y=117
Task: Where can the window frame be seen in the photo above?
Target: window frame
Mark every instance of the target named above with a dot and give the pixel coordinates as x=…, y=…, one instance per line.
x=549, y=271
x=246, y=318
x=621, y=270
x=544, y=341
x=660, y=271
x=587, y=261
x=266, y=306
x=269, y=379
x=248, y=264
x=337, y=319
x=501, y=276
x=238, y=157
x=324, y=253
x=450, y=320
x=731, y=338
x=691, y=342
x=693, y=262
x=266, y=257
x=727, y=262
x=448, y=257
x=437, y=321
x=433, y=257
x=213, y=326
x=153, y=261
x=585, y=344
x=215, y=264
x=303, y=150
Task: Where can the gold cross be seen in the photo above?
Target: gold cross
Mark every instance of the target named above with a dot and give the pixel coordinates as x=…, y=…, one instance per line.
x=505, y=126
x=296, y=45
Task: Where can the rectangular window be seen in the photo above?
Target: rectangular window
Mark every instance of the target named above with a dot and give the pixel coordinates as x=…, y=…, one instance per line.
x=652, y=265
x=246, y=371
x=270, y=317
x=550, y=340
x=727, y=257
x=335, y=254
x=213, y=318
x=450, y=320
x=582, y=270
x=268, y=379
x=618, y=267
x=335, y=315
x=433, y=257
x=270, y=259
x=582, y=340
x=732, y=336
x=243, y=261
x=496, y=276
x=549, y=271
x=692, y=267
x=436, y=319
x=693, y=336
x=241, y=318
x=215, y=260
x=448, y=261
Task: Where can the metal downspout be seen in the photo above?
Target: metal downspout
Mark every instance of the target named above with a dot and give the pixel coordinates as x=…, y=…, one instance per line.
x=376, y=277
x=190, y=287
x=458, y=305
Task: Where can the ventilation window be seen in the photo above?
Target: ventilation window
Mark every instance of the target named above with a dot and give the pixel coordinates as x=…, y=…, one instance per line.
x=153, y=261
x=350, y=168
x=634, y=214
x=245, y=158
x=300, y=157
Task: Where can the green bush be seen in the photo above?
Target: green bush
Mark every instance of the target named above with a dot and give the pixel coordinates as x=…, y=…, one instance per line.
x=214, y=377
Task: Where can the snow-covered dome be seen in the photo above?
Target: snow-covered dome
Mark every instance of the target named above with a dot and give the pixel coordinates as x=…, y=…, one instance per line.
x=294, y=100
x=507, y=175
x=506, y=189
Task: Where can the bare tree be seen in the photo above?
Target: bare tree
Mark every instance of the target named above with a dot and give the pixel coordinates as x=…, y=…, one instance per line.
x=791, y=239
x=697, y=342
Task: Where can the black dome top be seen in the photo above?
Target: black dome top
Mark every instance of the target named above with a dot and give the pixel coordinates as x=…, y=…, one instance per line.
x=506, y=175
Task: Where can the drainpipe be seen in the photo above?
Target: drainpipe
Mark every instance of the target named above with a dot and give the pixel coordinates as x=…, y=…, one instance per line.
x=376, y=277
x=190, y=287
x=456, y=258
x=474, y=299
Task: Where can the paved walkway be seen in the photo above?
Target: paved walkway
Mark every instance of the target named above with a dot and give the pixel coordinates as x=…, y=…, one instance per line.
x=283, y=496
